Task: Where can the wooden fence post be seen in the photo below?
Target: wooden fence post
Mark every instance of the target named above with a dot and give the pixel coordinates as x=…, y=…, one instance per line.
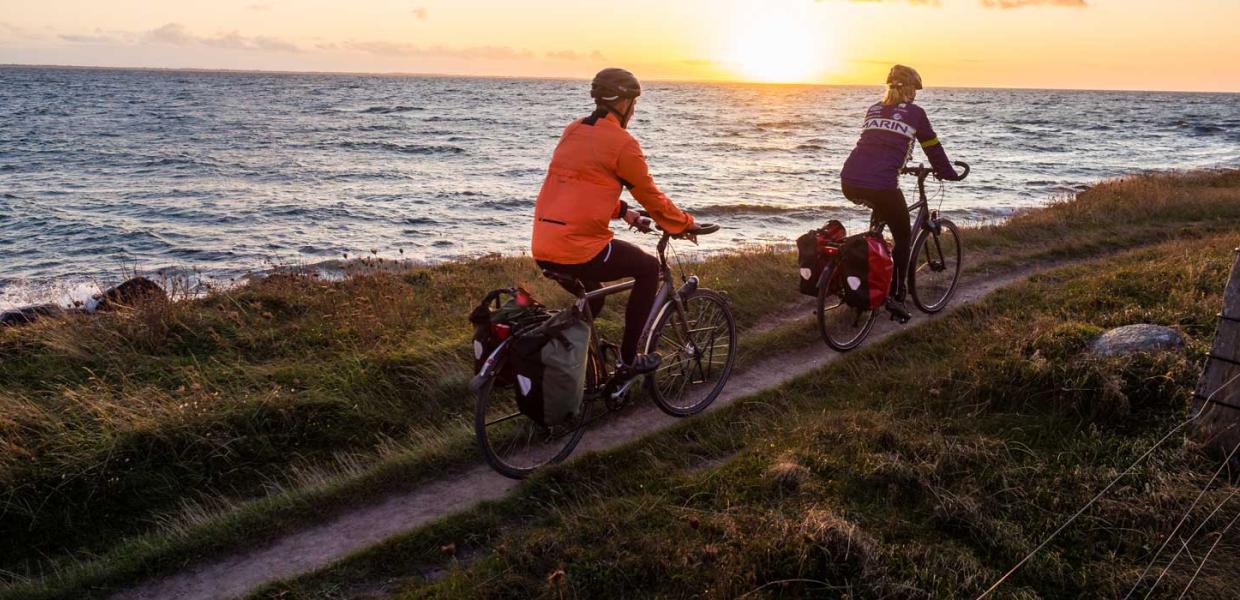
x=1219, y=425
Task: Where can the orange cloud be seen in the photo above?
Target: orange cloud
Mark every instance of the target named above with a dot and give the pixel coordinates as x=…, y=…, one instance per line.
x=1024, y=3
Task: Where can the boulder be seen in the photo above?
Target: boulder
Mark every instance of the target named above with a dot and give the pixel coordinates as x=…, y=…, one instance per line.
x=135, y=291
x=1134, y=339
x=29, y=314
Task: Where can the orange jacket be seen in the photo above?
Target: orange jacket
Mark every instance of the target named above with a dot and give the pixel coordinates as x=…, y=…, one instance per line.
x=581, y=193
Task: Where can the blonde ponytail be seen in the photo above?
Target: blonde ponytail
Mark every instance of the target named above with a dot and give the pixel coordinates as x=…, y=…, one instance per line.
x=899, y=94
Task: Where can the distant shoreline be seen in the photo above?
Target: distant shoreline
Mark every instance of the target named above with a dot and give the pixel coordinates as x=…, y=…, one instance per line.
x=205, y=70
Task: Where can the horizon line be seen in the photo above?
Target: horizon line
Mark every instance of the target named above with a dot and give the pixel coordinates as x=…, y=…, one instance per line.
x=548, y=78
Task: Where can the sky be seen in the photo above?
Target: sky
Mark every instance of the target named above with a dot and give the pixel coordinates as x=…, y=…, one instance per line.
x=1082, y=44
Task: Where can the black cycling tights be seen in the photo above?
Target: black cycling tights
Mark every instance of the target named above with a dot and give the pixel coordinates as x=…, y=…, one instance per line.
x=619, y=260
x=889, y=206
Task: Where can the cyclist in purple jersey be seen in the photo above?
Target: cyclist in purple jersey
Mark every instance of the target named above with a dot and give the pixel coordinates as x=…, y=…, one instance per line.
x=871, y=173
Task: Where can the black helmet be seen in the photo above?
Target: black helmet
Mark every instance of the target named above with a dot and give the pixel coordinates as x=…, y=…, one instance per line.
x=901, y=76
x=614, y=84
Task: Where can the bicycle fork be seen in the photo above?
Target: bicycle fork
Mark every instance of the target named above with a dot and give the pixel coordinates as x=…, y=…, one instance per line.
x=690, y=343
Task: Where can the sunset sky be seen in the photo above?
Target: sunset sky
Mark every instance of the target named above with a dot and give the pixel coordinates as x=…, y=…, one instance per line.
x=1092, y=44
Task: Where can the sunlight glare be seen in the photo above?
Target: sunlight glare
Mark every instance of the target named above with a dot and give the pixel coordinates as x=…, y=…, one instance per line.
x=778, y=48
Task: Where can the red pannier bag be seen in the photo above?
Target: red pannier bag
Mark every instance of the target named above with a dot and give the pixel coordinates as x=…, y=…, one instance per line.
x=814, y=249
x=867, y=269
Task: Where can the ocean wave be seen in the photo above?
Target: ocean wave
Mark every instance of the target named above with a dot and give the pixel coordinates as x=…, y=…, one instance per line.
x=403, y=148
x=387, y=110
x=175, y=161
x=781, y=124
x=727, y=210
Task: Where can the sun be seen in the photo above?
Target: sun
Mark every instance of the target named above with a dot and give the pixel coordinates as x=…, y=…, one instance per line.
x=778, y=48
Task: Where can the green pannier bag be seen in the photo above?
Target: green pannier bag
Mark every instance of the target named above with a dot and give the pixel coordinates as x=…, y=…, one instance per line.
x=551, y=367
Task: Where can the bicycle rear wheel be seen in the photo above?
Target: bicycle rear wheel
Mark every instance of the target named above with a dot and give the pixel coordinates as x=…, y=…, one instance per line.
x=936, y=267
x=514, y=444
x=698, y=352
x=842, y=326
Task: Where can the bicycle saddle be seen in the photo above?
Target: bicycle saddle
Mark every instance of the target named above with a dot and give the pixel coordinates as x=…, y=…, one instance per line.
x=568, y=282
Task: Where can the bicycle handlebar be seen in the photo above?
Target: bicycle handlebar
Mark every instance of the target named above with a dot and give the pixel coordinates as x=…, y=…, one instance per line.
x=923, y=172
x=697, y=229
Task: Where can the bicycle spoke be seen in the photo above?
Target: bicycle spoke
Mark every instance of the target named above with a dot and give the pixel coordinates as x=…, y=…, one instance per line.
x=696, y=343
x=502, y=419
x=933, y=280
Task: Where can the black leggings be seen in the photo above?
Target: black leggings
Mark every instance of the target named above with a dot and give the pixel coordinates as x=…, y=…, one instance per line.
x=889, y=207
x=619, y=260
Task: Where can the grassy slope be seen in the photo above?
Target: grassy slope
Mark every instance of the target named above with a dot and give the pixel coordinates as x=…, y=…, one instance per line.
x=921, y=467
x=305, y=394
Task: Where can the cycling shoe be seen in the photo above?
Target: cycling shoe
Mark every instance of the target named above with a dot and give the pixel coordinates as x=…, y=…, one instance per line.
x=644, y=363
x=898, y=311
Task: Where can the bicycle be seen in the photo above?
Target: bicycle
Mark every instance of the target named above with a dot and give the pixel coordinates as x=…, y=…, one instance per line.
x=691, y=327
x=934, y=272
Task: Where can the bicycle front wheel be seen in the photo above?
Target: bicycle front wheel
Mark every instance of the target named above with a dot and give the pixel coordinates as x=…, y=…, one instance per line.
x=514, y=444
x=698, y=348
x=935, y=267
x=842, y=326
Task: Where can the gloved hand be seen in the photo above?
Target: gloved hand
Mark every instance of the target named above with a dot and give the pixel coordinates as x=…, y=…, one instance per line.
x=638, y=222
x=953, y=176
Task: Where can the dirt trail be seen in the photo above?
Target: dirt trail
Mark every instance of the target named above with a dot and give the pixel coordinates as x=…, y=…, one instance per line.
x=321, y=545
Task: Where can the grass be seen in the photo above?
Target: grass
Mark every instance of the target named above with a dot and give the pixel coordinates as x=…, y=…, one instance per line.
x=133, y=443
x=924, y=466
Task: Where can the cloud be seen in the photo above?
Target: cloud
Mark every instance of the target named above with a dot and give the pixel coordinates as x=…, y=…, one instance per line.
x=175, y=34
x=1002, y=4
x=172, y=34
x=412, y=50
x=573, y=55
x=420, y=12
x=8, y=30
x=90, y=38
x=236, y=41
x=913, y=2
x=1024, y=3
x=258, y=7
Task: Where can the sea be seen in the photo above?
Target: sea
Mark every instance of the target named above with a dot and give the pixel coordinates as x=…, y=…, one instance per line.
x=204, y=177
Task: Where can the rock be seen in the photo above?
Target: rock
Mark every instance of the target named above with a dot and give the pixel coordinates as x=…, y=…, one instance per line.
x=138, y=290
x=135, y=291
x=1133, y=339
x=29, y=314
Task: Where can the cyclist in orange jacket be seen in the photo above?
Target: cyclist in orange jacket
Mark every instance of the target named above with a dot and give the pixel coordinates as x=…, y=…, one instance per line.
x=594, y=161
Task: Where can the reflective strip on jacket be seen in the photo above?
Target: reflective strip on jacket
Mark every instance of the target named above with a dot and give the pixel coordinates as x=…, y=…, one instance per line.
x=581, y=194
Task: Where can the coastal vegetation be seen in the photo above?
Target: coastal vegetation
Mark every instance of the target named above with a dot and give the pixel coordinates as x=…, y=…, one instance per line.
x=133, y=443
x=924, y=466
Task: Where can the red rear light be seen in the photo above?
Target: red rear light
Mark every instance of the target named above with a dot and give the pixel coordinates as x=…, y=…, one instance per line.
x=830, y=249
x=501, y=331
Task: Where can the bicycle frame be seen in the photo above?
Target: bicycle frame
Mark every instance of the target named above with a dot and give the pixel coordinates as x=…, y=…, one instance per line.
x=664, y=298
x=926, y=219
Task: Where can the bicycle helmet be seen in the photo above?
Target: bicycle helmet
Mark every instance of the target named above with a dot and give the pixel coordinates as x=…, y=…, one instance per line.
x=901, y=76
x=614, y=84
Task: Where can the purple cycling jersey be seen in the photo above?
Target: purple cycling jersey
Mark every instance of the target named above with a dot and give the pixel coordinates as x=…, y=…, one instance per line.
x=886, y=144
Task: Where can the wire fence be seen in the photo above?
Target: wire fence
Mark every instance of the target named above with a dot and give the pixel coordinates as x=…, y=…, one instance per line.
x=1205, y=406
x=1183, y=519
